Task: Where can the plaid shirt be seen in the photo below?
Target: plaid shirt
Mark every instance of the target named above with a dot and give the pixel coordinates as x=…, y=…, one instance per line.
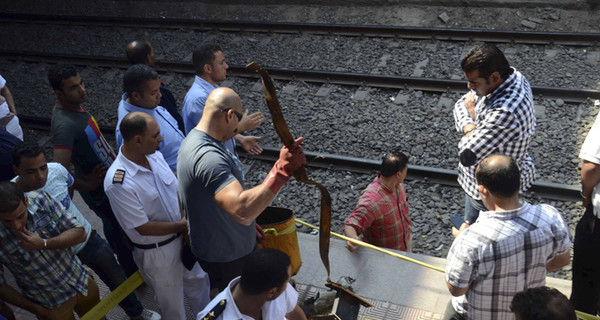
x=505, y=123
x=381, y=216
x=47, y=277
x=501, y=254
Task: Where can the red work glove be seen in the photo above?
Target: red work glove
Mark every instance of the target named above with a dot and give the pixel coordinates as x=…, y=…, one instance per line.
x=289, y=161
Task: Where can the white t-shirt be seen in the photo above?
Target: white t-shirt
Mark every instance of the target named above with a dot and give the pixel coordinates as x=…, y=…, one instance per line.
x=271, y=310
x=590, y=151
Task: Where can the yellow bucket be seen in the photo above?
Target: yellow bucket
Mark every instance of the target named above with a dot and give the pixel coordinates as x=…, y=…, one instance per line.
x=280, y=233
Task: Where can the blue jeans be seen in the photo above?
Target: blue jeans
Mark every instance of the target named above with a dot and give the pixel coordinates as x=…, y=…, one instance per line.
x=472, y=208
x=98, y=255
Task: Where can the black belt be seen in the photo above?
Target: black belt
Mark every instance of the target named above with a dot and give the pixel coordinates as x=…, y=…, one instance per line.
x=155, y=245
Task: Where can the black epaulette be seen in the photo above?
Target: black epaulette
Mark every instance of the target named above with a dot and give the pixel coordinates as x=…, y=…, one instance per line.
x=216, y=311
x=119, y=176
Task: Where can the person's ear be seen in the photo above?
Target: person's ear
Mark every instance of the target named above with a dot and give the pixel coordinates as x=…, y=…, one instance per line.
x=483, y=190
x=495, y=78
x=59, y=93
x=207, y=68
x=136, y=96
x=137, y=139
x=271, y=293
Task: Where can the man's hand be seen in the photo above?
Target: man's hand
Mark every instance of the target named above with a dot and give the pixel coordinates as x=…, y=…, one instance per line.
x=95, y=178
x=469, y=129
x=41, y=312
x=351, y=246
x=290, y=160
x=29, y=240
x=249, y=144
x=470, y=100
x=456, y=232
x=250, y=122
x=293, y=158
x=260, y=234
x=350, y=232
x=586, y=202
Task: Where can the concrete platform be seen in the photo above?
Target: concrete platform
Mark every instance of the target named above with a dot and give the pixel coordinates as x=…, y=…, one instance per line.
x=398, y=289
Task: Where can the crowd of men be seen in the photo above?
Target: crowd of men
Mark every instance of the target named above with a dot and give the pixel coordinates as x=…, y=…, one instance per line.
x=174, y=204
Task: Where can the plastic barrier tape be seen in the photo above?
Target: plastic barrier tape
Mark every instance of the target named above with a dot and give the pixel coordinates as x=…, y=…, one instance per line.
x=111, y=301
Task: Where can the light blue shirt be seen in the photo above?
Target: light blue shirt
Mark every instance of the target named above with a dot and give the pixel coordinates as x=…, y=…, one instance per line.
x=57, y=185
x=193, y=106
x=171, y=135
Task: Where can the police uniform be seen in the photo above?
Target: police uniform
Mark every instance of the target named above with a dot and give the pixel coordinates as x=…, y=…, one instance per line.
x=138, y=195
x=223, y=307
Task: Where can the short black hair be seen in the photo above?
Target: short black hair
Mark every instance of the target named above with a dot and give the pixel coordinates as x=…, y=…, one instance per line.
x=136, y=76
x=393, y=162
x=204, y=55
x=486, y=58
x=25, y=149
x=133, y=124
x=542, y=303
x=502, y=180
x=59, y=72
x=264, y=269
x=11, y=196
x=138, y=54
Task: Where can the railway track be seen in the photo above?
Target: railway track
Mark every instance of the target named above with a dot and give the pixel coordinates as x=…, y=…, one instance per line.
x=417, y=33
x=442, y=176
x=445, y=177
x=338, y=78
x=334, y=125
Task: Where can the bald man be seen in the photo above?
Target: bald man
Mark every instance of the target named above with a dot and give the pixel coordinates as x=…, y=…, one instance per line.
x=142, y=190
x=141, y=51
x=509, y=248
x=220, y=210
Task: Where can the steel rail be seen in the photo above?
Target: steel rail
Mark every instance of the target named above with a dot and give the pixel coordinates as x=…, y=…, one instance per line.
x=420, y=33
x=325, y=77
x=549, y=190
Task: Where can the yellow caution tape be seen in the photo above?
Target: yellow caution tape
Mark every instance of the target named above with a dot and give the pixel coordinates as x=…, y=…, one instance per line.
x=585, y=316
x=111, y=301
x=370, y=246
x=275, y=233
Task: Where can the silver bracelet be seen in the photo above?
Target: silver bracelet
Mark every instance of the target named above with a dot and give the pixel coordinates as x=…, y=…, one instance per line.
x=45, y=244
x=584, y=197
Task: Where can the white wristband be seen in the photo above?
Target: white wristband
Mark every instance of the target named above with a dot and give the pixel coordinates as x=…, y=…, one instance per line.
x=45, y=244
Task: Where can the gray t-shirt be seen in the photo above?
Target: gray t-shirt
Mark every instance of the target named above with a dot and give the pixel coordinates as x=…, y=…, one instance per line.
x=204, y=167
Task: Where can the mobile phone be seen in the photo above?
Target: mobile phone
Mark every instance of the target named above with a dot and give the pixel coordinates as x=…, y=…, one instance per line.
x=457, y=220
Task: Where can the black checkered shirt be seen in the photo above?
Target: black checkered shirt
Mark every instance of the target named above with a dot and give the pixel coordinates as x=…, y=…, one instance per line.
x=504, y=124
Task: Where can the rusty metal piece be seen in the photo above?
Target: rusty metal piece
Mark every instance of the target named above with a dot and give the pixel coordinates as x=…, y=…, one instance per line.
x=339, y=288
x=345, y=306
x=286, y=137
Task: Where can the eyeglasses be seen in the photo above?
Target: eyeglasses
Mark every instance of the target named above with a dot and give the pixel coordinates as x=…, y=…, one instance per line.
x=238, y=115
